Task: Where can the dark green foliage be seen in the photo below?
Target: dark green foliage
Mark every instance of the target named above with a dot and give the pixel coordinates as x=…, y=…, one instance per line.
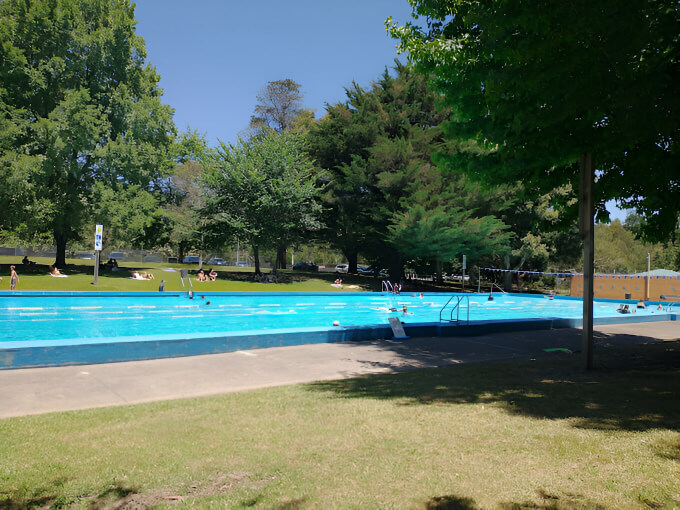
x=78, y=106
x=385, y=199
x=532, y=85
x=263, y=191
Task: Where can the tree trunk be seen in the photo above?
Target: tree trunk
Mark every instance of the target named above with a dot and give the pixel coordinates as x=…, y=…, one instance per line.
x=256, y=257
x=60, y=241
x=438, y=268
x=352, y=259
x=507, y=276
x=280, y=257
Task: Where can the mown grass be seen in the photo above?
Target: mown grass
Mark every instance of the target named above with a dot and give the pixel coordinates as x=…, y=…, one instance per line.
x=231, y=279
x=540, y=434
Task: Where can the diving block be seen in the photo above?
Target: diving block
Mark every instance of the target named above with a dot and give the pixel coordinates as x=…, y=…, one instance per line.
x=397, y=328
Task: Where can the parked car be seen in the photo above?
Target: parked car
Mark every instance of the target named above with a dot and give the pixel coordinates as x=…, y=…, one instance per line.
x=455, y=277
x=172, y=260
x=191, y=259
x=369, y=271
x=151, y=258
x=217, y=262
x=117, y=255
x=384, y=273
x=306, y=266
x=242, y=263
x=342, y=268
x=85, y=255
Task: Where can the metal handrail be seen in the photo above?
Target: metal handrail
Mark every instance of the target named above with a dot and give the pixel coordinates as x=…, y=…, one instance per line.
x=456, y=308
x=498, y=287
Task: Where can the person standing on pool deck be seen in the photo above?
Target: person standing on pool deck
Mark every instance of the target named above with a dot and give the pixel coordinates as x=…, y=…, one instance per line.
x=13, y=278
x=161, y=287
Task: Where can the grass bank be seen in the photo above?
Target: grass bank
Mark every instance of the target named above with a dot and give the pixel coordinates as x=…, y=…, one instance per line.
x=230, y=279
x=539, y=435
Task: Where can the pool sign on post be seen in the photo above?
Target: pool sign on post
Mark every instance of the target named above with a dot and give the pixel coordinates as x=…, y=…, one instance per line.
x=98, y=234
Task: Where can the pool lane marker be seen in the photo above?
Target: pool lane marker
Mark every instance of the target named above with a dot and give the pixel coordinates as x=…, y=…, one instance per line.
x=28, y=308
x=85, y=307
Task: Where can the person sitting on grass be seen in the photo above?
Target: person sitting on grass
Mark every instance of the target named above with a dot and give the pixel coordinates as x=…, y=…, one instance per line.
x=212, y=274
x=55, y=272
x=201, y=276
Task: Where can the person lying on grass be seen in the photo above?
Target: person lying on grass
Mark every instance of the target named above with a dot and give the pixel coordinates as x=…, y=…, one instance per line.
x=56, y=273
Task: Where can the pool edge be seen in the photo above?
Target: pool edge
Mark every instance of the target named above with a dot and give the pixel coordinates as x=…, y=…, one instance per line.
x=115, y=352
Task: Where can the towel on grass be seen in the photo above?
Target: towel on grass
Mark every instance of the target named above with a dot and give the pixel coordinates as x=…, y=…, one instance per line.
x=59, y=275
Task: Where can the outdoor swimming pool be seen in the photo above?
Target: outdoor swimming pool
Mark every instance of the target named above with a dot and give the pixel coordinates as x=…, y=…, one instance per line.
x=30, y=320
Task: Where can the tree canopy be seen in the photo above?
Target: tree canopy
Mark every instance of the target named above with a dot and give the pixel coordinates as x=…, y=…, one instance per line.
x=78, y=107
x=263, y=191
x=279, y=104
x=531, y=86
x=385, y=199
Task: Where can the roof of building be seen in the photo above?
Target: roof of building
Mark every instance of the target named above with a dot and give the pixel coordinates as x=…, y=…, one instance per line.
x=659, y=272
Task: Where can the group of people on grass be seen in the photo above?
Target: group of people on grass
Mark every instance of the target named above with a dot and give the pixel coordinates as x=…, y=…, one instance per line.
x=210, y=276
x=137, y=275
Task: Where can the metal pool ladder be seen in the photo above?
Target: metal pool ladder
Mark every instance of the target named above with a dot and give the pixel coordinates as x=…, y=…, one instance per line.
x=456, y=308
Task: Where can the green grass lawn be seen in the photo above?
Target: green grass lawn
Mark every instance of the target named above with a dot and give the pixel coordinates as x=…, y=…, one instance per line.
x=231, y=279
x=533, y=435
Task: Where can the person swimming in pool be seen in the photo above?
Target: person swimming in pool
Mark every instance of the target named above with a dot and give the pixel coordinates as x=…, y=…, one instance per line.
x=623, y=309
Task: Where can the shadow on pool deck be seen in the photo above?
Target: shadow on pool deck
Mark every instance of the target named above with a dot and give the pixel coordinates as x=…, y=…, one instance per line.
x=41, y=390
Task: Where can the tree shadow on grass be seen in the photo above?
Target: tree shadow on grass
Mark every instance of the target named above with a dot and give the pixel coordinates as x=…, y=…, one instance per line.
x=636, y=388
x=544, y=501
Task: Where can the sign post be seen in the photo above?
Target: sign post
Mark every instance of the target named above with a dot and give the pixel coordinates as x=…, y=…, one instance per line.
x=464, y=267
x=98, y=234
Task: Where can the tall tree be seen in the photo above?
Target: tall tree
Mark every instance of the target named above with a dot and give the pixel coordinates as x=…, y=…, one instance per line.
x=382, y=187
x=263, y=191
x=538, y=90
x=185, y=194
x=80, y=106
x=279, y=103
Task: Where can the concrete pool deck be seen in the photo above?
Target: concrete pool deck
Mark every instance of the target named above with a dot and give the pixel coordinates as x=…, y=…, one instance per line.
x=43, y=390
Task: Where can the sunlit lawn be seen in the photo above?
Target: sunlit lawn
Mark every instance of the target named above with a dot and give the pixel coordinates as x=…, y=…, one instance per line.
x=231, y=279
x=525, y=435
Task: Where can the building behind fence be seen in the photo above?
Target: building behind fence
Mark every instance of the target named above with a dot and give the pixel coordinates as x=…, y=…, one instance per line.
x=664, y=285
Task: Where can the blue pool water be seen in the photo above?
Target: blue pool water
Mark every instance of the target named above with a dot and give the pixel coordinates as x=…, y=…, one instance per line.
x=44, y=317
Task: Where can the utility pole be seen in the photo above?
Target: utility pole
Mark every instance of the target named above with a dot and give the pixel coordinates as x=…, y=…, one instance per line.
x=649, y=276
x=586, y=230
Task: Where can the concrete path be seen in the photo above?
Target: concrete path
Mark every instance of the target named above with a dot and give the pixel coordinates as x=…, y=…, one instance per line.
x=43, y=390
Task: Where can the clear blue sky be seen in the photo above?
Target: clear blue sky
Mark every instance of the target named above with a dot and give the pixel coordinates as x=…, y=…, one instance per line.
x=213, y=56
